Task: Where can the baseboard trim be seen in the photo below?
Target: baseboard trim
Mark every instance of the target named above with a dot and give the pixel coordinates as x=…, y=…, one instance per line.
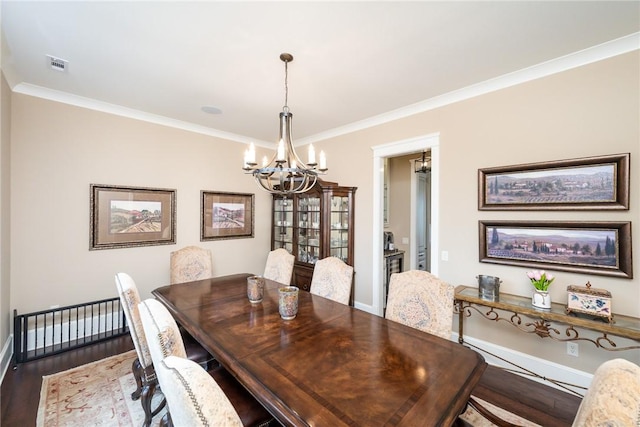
x=5, y=356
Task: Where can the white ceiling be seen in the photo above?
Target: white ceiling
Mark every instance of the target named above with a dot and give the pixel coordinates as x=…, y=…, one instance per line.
x=353, y=60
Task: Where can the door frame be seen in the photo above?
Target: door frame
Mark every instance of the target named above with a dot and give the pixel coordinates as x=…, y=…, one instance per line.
x=393, y=149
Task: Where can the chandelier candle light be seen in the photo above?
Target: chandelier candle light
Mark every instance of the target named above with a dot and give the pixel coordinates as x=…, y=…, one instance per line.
x=285, y=173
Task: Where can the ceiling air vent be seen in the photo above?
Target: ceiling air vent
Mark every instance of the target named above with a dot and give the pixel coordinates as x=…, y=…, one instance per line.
x=57, y=64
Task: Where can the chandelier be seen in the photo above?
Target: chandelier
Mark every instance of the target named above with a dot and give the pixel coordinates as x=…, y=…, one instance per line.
x=285, y=173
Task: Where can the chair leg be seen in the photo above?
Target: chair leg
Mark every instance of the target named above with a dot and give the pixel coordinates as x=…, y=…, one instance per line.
x=148, y=390
x=138, y=373
x=166, y=420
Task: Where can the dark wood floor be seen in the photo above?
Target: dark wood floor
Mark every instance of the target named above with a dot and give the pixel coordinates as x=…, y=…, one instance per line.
x=20, y=393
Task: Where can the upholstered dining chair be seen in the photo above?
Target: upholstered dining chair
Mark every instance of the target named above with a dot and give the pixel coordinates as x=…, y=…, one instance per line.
x=190, y=263
x=332, y=279
x=421, y=300
x=164, y=340
x=279, y=266
x=193, y=396
x=613, y=397
x=142, y=366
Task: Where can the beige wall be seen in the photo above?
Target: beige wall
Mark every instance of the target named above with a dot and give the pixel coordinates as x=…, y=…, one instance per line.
x=58, y=150
x=400, y=201
x=588, y=111
x=5, y=222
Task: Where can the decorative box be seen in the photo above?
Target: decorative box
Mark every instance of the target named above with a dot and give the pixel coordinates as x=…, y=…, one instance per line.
x=588, y=300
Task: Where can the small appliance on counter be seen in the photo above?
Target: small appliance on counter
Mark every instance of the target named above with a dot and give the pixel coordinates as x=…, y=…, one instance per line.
x=388, y=241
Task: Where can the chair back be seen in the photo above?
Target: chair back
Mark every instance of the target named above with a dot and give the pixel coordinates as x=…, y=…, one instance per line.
x=332, y=279
x=162, y=331
x=130, y=298
x=191, y=263
x=193, y=396
x=279, y=266
x=421, y=300
x=613, y=397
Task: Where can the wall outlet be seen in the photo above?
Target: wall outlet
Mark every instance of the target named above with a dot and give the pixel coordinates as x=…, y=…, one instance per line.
x=405, y=240
x=444, y=256
x=572, y=349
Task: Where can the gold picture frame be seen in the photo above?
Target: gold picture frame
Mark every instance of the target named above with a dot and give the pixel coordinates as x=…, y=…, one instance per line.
x=599, y=247
x=123, y=217
x=590, y=183
x=226, y=215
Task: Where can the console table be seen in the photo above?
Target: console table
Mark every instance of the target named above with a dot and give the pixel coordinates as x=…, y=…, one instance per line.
x=467, y=299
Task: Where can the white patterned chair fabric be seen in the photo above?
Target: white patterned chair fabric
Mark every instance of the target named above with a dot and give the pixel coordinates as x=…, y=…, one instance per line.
x=161, y=329
x=193, y=396
x=279, y=266
x=422, y=301
x=332, y=279
x=142, y=367
x=165, y=340
x=191, y=263
x=613, y=397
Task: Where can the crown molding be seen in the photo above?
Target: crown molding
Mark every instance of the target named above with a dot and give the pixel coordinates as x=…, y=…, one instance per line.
x=105, y=107
x=574, y=60
x=583, y=57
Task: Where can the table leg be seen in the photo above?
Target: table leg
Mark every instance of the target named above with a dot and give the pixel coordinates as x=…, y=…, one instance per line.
x=460, y=324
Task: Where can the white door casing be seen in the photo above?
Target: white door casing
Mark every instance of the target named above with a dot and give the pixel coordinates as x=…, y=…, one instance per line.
x=392, y=149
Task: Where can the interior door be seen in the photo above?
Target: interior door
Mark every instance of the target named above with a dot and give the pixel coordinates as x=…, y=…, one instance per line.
x=423, y=188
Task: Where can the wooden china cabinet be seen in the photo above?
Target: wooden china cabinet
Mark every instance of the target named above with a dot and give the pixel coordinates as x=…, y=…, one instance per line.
x=314, y=225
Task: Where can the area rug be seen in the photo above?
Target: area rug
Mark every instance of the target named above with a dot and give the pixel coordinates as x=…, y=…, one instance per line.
x=99, y=394
x=95, y=394
x=475, y=419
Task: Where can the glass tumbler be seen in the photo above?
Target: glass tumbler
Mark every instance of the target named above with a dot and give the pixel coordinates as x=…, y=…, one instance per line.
x=288, y=302
x=255, y=289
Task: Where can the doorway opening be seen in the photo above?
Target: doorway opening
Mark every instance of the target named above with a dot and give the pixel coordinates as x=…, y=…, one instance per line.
x=382, y=197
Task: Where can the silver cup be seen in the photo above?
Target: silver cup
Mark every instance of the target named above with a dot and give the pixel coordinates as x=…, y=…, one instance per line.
x=288, y=302
x=255, y=289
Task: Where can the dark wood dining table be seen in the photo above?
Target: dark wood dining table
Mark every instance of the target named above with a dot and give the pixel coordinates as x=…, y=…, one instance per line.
x=333, y=365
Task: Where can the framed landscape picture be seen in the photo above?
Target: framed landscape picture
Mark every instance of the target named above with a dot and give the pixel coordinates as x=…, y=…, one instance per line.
x=225, y=215
x=124, y=217
x=602, y=248
x=589, y=183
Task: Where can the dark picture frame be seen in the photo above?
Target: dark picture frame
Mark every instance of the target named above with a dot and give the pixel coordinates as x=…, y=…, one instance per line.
x=226, y=215
x=123, y=217
x=590, y=183
x=602, y=248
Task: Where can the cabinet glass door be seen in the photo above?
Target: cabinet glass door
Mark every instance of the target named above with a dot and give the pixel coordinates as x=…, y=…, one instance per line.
x=308, y=223
x=339, y=243
x=283, y=224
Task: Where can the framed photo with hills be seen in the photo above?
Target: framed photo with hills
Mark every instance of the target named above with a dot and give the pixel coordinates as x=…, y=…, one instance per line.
x=602, y=248
x=592, y=183
x=225, y=215
x=123, y=217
